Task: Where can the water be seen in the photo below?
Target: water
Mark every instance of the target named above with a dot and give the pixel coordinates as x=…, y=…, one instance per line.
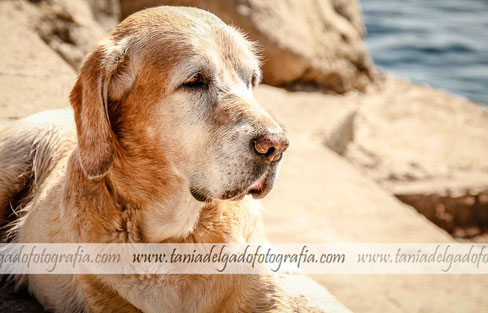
x=441, y=43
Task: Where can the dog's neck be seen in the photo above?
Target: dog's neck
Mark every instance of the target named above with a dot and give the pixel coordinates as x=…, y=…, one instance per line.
x=139, y=206
x=129, y=205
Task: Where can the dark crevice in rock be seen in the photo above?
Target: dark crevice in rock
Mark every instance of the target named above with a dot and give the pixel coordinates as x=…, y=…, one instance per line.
x=463, y=216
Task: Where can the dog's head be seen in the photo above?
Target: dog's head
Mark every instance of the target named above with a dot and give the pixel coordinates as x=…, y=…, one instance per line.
x=171, y=91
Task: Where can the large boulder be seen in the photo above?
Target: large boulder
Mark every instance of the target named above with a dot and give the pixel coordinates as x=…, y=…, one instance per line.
x=33, y=77
x=427, y=147
x=405, y=132
x=72, y=27
x=321, y=197
x=306, y=44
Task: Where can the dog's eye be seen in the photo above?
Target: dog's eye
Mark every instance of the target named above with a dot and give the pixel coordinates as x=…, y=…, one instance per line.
x=196, y=81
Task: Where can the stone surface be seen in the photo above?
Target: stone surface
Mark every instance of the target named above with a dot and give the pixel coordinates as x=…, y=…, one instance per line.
x=33, y=77
x=460, y=206
x=319, y=194
x=427, y=147
x=306, y=44
x=315, y=299
x=326, y=118
x=73, y=27
x=321, y=197
x=404, y=132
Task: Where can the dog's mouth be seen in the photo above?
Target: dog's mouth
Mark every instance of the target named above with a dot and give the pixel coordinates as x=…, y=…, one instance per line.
x=258, y=190
x=262, y=186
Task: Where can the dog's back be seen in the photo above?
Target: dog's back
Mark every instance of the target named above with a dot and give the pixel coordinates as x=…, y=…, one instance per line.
x=29, y=149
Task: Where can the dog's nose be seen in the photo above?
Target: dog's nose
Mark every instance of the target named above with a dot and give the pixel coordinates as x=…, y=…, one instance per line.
x=270, y=146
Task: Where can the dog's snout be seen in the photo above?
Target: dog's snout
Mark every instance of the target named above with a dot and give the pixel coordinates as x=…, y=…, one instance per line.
x=270, y=146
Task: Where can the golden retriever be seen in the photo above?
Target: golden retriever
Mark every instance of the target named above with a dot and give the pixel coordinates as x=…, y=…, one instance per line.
x=167, y=144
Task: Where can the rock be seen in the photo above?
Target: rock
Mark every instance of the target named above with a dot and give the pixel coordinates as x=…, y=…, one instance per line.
x=325, y=117
x=405, y=132
x=306, y=44
x=460, y=206
x=427, y=147
x=307, y=296
x=73, y=27
x=33, y=77
x=311, y=176
x=321, y=197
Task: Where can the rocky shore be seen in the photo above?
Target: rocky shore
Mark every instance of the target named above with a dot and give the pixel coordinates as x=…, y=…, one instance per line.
x=367, y=151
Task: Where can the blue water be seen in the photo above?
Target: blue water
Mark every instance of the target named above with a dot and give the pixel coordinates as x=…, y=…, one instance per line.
x=441, y=43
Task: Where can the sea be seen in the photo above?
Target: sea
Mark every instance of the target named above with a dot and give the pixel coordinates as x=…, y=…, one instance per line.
x=441, y=43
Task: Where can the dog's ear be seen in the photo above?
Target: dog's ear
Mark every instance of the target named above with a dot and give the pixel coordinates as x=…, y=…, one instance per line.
x=105, y=75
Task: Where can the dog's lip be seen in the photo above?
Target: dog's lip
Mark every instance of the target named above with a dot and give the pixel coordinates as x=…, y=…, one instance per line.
x=261, y=187
x=258, y=190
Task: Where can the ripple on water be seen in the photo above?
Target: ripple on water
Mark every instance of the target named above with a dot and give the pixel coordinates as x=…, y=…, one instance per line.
x=442, y=43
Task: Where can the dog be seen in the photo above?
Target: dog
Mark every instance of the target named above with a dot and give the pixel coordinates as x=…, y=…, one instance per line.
x=164, y=143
